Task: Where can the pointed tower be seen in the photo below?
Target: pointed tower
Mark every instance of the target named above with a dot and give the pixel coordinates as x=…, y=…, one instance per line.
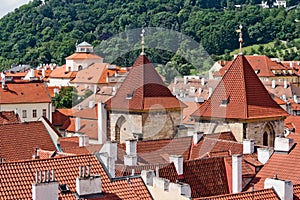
x=241, y=103
x=143, y=106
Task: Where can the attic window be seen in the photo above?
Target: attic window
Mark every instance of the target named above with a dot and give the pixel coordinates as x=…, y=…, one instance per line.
x=224, y=102
x=64, y=189
x=257, y=71
x=129, y=96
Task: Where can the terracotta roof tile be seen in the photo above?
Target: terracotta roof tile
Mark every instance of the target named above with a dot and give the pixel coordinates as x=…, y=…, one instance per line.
x=7, y=117
x=238, y=96
x=21, y=175
x=60, y=72
x=281, y=164
x=24, y=92
x=294, y=121
x=19, y=140
x=58, y=118
x=91, y=74
x=143, y=89
x=83, y=55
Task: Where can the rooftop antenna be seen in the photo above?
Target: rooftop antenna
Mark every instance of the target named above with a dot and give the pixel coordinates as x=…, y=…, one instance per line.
x=143, y=42
x=240, y=38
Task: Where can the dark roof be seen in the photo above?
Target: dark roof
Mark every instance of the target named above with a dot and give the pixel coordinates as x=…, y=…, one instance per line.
x=7, y=117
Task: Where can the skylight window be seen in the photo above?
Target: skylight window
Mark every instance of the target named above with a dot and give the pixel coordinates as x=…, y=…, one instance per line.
x=224, y=102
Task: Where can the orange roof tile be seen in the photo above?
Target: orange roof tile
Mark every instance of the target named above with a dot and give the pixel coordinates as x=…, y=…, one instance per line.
x=24, y=92
x=143, y=89
x=7, y=117
x=91, y=74
x=60, y=72
x=87, y=126
x=281, y=164
x=17, y=178
x=294, y=121
x=83, y=55
x=51, y=90
x=240, y=95
x=19, y=140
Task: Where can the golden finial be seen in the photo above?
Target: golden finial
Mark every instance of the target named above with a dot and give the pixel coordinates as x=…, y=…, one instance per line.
x=143, y=42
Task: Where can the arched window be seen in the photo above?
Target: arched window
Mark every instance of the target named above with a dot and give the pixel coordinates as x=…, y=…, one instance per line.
x=118, y=127
x=265, y=139
x=80, y=68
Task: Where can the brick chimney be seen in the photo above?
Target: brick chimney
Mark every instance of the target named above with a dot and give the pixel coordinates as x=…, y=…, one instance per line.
x=45, y=186
x=236, y=173
x=283, y=188
x=248, y=146
x=178, y=162
x=87, y=185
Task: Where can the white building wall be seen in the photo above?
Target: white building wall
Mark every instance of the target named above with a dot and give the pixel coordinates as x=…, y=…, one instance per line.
x=29, y=107
x=58, y=82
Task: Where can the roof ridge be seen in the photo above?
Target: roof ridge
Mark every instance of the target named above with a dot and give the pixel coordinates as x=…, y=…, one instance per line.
x=244, y=84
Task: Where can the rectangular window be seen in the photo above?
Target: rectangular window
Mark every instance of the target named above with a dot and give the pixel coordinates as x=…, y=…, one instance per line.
x=44, y=113
x=24, y=113
x=34, y=113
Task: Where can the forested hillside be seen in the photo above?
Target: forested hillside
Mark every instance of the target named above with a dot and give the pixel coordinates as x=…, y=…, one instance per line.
x=46, y=32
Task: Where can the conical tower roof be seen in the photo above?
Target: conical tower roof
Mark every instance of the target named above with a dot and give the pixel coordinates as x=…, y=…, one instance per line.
x=143, y=90
x=240, y=95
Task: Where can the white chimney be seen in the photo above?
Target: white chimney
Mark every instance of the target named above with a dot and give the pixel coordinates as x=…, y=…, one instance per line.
x=285, y=84
x=210, y=91
x=147, y=176
x=55, y=91
x=199, y=90
x=43, y=72
x=175, y=80
x=16, y=111
x=91, y=104
x=185, y=80
x=291, y=64
x=45, y=186
x=192, y=90
x=197, y=137
x=87, y=184
x=109, y=156
x=236, y=173
x=181, y=189
x=202, y=81
x=178, y=162
x=77, y=124
x=83, y=141
x=102, y=123
x=263, y=154
x=248, y=146
x=295, y=99
x=95, y=89
x=284, y=189
x=161, y=183
x=131, y=146
x=283, y=144
x=273, y=84
x=130, y=160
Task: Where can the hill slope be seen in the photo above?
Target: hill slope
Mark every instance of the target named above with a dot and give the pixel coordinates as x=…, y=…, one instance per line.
x=47, y=32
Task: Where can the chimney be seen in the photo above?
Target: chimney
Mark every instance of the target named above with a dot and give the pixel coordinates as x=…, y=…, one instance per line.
x=109, y=156
x=36, y=154
x=77, y=124
x=147, y=176
x=197, y=137
x=16, y=111
x=185, y=80
x=55, y=91
x=45, y=186
x=273, y=84
x=263, y=154
x=203, y=81
x=131, y=146
x=236, y=173
x=91, y=104
x=3, y=80
x=192, y=90
x=295, y=99
x=181, y=189
x=130, y=160
x=178, y=162
x=102, y=123
x=87, y=184
x=284, y=189
x=291, y=64
x=43, y=72
x=199, y=90
x=83, y=141
x=283, y=144
x=161, y=183
x=210, y=91
x=248, y=146
x=175, y=80
x=285, y=84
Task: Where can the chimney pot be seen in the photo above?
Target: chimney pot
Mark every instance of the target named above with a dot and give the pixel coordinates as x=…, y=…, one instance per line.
x=147, y=176
x=264, y=154
x=283, y=144
x=236, y=173
x=178, y=162
x=283, y=188
x=248, y=146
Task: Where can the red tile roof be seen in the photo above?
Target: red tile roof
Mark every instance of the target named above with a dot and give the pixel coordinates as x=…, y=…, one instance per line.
x=17, y=178
x=7, y=117
x=294, y=122
x=58, y=118
x=60, y=72
x=281, y=164
x=24, y=92
x=87, y=126
x=243, y=95
x=83, y=55
x=91, y=74
x=19, y=140
x=143, y=90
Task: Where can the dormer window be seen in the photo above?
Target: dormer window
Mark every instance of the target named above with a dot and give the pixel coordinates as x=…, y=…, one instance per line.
x=224, y=102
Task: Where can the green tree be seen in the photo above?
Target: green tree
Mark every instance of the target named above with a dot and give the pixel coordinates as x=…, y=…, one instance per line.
x=66, y=98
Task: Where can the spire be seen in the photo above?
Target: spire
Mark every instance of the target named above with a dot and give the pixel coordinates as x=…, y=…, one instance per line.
x=240, y=38
x=143, y=42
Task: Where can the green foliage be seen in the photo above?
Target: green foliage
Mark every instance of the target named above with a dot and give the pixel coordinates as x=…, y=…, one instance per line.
x=39, y=33
x=66, y=98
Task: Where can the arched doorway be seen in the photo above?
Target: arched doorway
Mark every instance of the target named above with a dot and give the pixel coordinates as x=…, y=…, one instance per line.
x=118, y=127
x=80, y=67
x=268, y=135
